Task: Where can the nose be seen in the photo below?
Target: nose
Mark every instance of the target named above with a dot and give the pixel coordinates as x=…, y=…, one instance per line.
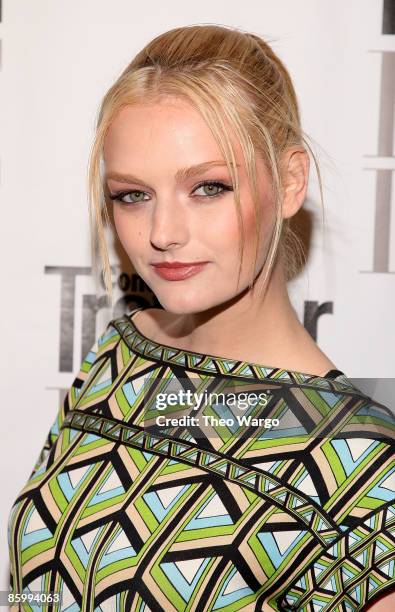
x=169, y=224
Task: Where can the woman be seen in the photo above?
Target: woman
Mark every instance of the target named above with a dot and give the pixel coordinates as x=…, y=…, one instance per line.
x=199, y=162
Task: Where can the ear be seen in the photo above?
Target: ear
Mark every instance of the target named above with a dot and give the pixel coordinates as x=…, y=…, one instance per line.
x=296, y=166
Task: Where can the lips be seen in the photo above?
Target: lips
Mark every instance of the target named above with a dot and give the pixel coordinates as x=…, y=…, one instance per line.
x=177, y=271
x=178, y=264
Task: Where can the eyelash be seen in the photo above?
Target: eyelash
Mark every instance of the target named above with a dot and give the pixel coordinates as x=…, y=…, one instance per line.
x=117, y=197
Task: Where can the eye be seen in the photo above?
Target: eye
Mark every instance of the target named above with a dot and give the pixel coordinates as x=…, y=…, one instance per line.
x=119, y=197
x=212, y=188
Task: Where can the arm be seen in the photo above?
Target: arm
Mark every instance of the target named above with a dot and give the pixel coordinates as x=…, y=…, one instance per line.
x=75, y=391
x=362, y=560
x=51, y=450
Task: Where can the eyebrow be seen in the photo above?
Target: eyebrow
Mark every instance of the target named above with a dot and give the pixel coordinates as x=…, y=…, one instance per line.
x=181, y=175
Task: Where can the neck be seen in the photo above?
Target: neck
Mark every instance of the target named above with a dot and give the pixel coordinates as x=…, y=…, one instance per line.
x=270, y=328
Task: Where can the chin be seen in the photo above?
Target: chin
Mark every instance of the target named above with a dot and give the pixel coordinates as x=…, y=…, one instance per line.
x=178, y=301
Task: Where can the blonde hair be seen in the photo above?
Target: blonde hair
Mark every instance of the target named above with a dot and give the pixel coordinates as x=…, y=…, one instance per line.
x=228, y=75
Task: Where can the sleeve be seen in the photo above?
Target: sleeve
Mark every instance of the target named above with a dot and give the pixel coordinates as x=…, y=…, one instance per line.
x=88, y=366
x=356, y=569
x=93, y=361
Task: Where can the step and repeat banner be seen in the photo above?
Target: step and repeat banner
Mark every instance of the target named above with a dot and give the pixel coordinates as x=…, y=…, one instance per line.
x=57, y=60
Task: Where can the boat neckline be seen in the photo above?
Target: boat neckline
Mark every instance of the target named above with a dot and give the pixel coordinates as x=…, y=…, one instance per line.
x=331, y=375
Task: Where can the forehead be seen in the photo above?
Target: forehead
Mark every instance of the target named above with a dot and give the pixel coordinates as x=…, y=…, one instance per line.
x=164, y=116
x=159, y=139
x=156, y=129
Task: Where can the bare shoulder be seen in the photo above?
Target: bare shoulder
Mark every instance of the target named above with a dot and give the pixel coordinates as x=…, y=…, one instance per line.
x=310, y=357
x=318, y=364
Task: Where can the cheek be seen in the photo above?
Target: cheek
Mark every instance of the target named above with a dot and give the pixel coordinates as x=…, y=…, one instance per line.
x=249, y=229
x=222, y=234
x=222, y=228
x=267, y=220
x=126, y=229
x=228, y=234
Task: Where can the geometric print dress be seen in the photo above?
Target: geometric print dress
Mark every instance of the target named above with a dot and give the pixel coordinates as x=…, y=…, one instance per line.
x=293, y=509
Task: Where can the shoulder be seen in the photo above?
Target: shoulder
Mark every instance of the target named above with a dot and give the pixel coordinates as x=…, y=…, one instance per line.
x=361, y=452
x=106, y=341
x=355, y=466
x=108, y=337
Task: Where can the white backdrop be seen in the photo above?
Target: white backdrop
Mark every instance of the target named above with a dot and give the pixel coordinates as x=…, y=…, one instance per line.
x=57, y=60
